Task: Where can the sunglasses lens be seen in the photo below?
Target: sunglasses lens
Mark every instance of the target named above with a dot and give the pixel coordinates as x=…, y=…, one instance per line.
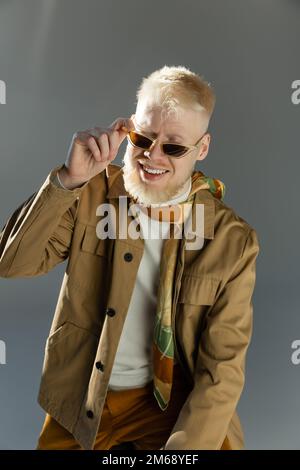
x=139, y=140
x=175, y=150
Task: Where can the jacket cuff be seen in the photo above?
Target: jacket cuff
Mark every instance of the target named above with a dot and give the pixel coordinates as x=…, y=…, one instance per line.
x=56, y=187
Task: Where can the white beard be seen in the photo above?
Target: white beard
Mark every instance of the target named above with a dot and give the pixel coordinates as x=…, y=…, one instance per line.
x=143, y=193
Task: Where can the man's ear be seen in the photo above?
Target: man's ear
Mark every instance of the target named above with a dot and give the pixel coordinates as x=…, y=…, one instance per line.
x=204, y=146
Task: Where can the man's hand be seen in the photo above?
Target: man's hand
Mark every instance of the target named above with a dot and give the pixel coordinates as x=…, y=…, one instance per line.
x=92, y=150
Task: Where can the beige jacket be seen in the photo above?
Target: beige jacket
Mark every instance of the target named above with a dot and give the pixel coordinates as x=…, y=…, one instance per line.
x=212, y=317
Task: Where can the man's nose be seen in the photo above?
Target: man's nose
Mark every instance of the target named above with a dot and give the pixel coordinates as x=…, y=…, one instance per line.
x=154, y=151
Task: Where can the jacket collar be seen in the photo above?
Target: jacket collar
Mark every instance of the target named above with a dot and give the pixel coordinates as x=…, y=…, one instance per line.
x=204, y=196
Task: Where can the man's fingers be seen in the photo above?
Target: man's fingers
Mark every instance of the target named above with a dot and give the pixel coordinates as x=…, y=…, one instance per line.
x=123, y=124
x=93, y=147
x=114, y=144
x=103, y=143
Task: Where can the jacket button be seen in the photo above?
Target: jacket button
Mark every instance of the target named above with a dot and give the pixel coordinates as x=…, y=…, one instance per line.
x=128, y=257
x=90, y=414
x=110, y=312
x=100, y=366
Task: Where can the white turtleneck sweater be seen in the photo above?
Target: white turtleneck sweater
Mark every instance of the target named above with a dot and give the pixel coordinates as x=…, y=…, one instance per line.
x=133, y=364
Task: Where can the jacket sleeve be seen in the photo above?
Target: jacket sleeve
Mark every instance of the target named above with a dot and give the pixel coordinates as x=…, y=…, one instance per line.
x=220, y=367
x=38, y=234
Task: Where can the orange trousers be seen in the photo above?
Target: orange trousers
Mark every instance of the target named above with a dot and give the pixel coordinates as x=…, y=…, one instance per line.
x=131, y=415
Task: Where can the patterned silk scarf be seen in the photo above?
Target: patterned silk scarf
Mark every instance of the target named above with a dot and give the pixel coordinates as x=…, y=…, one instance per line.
x=163, y=346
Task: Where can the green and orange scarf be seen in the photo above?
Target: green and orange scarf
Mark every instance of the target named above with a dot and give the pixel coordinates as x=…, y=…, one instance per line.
x=163, y=343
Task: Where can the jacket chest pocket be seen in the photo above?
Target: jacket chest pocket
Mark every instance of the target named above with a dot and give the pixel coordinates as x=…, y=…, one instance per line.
x=196, y=298
x=94, y=245
x=92, y=259
x=196, y=290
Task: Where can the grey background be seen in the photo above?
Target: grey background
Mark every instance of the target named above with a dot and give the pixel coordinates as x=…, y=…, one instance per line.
x=69, y=65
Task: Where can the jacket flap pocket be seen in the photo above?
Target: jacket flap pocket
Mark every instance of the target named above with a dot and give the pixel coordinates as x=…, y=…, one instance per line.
x=198, y=290
x=91, y=243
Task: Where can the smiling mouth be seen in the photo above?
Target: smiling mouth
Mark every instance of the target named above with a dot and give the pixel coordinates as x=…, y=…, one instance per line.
x=152, y=170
